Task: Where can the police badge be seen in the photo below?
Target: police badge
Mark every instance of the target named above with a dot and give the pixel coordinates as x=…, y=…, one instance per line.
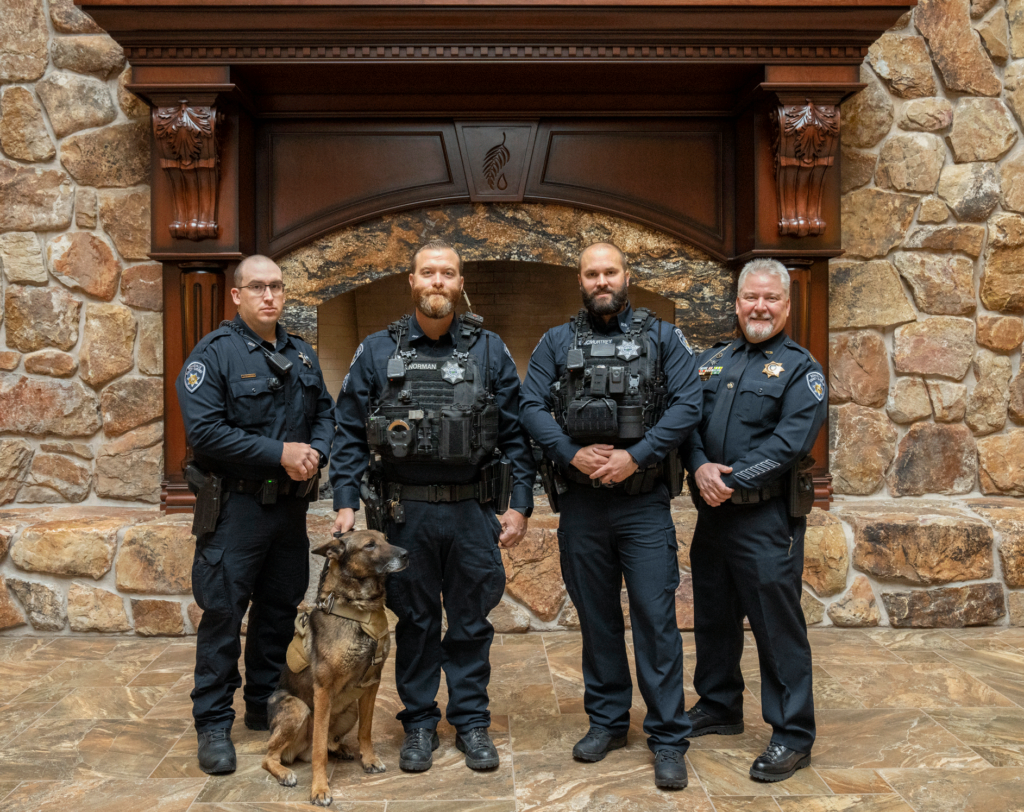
x=452, y=372
x=628, y=350
x=773, y=369
x=194, y=375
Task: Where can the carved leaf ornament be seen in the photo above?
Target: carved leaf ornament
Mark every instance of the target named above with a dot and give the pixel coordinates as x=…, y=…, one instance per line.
x=495, y=159
x=804, y=138
x=182, y=131
x=812, y=126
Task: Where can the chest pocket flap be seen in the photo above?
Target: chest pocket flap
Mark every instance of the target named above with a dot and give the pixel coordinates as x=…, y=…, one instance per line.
x=760, y=400
x=310, y=391
x=252, y=401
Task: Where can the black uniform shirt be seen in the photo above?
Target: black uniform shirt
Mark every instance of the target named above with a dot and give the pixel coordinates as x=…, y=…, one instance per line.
x=238, y=414
x=780, y=403
x=367, y=378
x=547, y=365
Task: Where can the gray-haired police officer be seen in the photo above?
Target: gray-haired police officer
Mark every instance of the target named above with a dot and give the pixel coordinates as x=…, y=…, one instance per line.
x=433, y=399
x=259, y=419
x=765, y=400
x=624, y=391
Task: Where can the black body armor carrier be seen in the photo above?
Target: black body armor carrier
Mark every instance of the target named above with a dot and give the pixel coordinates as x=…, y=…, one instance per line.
x=613, y=389
x=435, y=410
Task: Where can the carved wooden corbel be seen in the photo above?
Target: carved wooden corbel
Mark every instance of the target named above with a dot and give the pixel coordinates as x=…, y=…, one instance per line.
x=186, y=141
x=805, y=136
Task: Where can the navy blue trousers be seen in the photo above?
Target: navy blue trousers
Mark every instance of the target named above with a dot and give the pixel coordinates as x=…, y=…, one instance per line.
x=747, y=561
x=454, y=558
x=605, y=536
x=258, y=553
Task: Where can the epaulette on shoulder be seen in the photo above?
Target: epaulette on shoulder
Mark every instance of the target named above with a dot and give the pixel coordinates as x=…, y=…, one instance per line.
x=791, y=344
x=221, y=331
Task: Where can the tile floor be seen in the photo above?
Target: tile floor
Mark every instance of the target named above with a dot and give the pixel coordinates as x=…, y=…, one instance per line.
x=930, y=721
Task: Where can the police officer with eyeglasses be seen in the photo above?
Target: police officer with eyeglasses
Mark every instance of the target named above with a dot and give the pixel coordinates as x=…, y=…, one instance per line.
x=608, y=397
x=259, y=420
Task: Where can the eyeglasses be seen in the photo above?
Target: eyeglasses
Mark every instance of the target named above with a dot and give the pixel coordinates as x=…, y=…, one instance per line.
x=258, y=288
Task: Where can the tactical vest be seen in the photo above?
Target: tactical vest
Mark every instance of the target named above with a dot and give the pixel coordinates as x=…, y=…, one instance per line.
x=612, y=389
x=435, y=410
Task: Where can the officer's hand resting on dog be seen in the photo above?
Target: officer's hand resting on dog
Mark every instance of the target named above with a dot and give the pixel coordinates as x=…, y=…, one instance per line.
x=513, y=528
x=709, y=481
x=345, y=521
x=300, y=460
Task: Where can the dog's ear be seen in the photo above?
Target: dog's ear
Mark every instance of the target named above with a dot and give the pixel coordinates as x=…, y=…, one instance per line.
x=334, y=547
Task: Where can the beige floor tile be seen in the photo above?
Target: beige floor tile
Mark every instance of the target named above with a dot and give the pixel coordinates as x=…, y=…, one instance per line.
x=853, y=782
x=15, y=719
x=727, y=772
x=339, y=805
x=1001, y=756
x=917, y=685
x=994, y=789
x=104, y=795
x=46, y=751
x=847, y=646
x=1003, y=671
x=842, y=803
x=452, y=806
x=983, y=726
x=119, y=702
x=887, y=738
x=745, y=804
x=7, y=787
x=16, y=649
x=915, y=639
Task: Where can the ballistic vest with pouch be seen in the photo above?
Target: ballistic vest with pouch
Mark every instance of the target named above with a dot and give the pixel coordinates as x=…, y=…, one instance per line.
x=435, y=409
x=612, y=389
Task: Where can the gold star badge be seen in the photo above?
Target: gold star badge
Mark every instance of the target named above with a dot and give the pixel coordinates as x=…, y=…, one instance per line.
x=773, y=369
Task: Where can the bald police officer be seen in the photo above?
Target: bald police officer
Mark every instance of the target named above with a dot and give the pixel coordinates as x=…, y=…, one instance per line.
x=765, y=400
x=259, y=419
x=608, y=397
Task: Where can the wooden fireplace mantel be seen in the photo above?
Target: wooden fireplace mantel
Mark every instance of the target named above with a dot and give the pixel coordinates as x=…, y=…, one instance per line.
x=716, y=121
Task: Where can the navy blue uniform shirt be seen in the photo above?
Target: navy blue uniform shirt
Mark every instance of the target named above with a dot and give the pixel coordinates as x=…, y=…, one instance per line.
x=238, y=414
x=780, y=404
x=367, y=378
x=547, y=365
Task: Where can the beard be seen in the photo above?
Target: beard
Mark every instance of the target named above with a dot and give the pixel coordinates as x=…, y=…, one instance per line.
x=759, y=329
x=436, y=304
x=609, y=308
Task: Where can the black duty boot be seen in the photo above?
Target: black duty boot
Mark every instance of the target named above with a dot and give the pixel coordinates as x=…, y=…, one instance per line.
x=478, y=747
x=778, y=763
x=704, y=723
x=596, y=744
x=670, y=770
x=256, y=717
x=417, y=750
x=216, y=752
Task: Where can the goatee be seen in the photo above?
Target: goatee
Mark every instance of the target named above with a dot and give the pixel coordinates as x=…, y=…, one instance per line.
x=609, y=308
x=760, y=329
x=436, y=305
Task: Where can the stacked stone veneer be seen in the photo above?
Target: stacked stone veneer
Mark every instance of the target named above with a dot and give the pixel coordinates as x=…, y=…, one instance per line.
x=927, y=393
x=81, y=387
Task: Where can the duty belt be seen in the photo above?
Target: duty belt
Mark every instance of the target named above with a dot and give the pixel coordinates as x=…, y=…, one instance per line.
x=642, y=480
x=750, y=496
x=434, y=493
x=285, y=487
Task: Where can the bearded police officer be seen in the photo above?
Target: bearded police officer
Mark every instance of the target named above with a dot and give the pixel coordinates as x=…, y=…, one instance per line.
x=608, y=397
x=258, y=418
x=764, y=402
x=433, y=400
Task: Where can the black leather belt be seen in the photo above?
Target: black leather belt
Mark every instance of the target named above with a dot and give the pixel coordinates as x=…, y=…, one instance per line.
x=751, y=496
x=642, y=480
x=433, y=493
x=285, y=487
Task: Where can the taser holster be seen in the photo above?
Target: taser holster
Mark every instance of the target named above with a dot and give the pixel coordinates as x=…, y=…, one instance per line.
x=801, y=488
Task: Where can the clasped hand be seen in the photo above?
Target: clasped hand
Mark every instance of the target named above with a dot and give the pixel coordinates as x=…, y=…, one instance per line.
x=605, y=462
x=300, y=461
x=709, y=480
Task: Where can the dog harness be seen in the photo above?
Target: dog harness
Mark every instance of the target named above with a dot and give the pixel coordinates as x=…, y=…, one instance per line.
x=373, y=624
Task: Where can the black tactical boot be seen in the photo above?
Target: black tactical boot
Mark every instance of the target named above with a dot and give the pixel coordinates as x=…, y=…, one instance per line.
x=778, y=763
x=417, y=750
x=670, y=770
x=596, y=744
x=216, y=752
x=478, y=747
x=704, y=723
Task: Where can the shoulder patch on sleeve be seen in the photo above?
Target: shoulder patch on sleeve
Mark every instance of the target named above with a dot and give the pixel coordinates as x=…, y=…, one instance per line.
x=344, y=383
x=359, y=351
x=816, y=383
x=683, y=341
x=195, y=374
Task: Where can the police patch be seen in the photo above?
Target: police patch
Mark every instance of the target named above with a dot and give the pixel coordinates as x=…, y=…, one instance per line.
x=344, y=383
x=195, y=373
x=816, y=383
x=359, y=351
x=683, y=341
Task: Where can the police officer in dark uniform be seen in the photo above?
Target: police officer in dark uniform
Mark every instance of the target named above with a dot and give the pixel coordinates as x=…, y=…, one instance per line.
x=259, y=420
x=624, y=392
x=431, y=405
x=764, y=401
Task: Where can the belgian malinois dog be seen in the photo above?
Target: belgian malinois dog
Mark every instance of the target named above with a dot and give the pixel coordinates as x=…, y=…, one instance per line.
x=334, y=662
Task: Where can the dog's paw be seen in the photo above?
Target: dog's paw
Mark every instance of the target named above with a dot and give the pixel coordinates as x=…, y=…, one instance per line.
x=289, y=780
x=322, y=798
x=344, y=753
x=375, y=766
